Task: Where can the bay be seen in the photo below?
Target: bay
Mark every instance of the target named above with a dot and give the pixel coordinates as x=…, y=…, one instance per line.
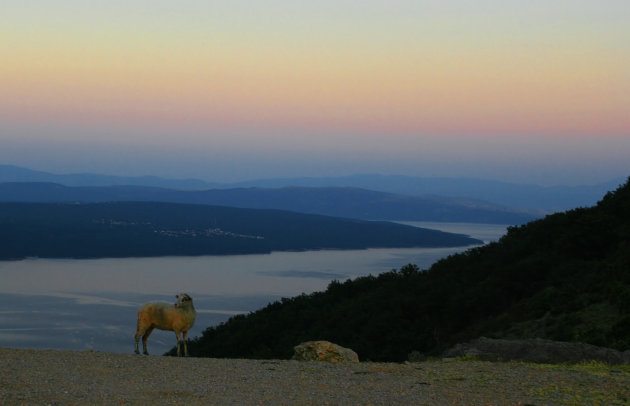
x=92, y=304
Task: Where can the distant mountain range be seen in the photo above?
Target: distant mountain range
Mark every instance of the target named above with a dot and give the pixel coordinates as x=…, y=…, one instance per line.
x=330, y=201
x=143, y=229
x=526, y=196
x=511, y=195
x=11, y=173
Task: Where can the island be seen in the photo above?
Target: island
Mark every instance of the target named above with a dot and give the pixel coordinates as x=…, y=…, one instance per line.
x=151, y=229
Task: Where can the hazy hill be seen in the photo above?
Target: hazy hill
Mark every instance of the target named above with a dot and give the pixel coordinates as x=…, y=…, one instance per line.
x=565, y=277
x=11, y=173
x=56, y=230
x=553, y=198
x=513, y=195
x=338, y=202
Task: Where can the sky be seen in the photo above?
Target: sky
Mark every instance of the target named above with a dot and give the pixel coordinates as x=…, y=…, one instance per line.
x=533, y=91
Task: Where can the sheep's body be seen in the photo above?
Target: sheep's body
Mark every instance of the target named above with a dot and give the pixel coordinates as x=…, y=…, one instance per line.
x=179, y=318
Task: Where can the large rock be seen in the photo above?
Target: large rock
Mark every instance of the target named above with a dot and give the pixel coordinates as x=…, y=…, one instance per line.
x=537, y=350
x=324, y=351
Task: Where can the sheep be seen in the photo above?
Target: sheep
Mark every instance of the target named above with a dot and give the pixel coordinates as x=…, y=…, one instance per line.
x=179, y=318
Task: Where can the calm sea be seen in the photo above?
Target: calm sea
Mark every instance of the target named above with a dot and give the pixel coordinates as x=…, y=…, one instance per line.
x=92, y=304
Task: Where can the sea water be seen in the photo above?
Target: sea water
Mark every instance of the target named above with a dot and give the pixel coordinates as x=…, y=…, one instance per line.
x=92, y=304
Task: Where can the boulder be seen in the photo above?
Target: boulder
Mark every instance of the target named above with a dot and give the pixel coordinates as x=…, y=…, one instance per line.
x=537, y=350
x=324, y=351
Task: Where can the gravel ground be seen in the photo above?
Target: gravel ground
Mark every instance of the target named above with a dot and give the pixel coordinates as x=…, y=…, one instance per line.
x=35, y=377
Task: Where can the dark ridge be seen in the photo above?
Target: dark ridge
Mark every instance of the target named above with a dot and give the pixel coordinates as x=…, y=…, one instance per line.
x=565, y=278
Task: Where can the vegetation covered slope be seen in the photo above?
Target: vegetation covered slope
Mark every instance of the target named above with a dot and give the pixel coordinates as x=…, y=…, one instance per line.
x=128, y=229
x=565, y=277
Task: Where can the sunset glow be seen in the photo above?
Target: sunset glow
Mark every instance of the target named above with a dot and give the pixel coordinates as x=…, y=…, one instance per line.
x=202, y=73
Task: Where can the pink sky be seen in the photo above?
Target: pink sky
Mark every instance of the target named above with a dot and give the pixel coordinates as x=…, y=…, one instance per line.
x=333, y=87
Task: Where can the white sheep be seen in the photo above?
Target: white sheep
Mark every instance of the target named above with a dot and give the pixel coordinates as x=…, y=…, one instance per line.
x=179, y=318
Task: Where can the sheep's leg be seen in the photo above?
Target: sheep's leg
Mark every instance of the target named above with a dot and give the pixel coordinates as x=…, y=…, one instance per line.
x=137, y=338
x=145, y=337
x=141, y=327
x=179, y=354
x=185, y=334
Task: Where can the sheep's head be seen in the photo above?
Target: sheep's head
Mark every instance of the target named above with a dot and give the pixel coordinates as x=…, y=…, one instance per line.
x=182, y=298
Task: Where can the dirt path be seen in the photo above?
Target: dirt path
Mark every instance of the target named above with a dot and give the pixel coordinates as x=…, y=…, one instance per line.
x=34, y=377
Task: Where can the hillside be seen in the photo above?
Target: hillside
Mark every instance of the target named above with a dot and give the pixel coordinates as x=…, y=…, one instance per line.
x=12, y=173
x=565, y=277
x=514, y=195
x=501, y=194
x=337, y=202
x=58, y=230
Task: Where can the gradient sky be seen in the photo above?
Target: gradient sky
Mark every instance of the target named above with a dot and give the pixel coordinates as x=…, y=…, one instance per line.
x=529, y=91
